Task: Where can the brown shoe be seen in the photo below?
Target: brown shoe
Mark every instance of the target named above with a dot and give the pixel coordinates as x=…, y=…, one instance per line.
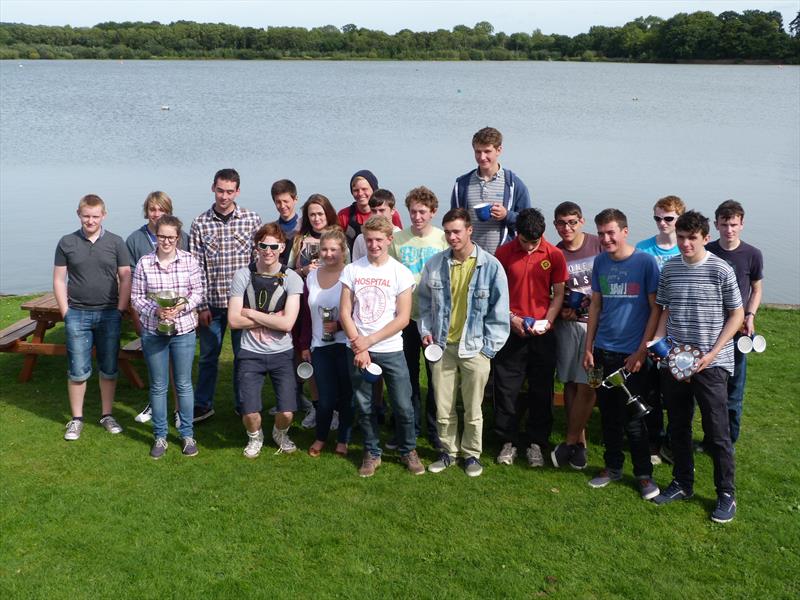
x=369, y=465
x=315, y=449
x=413, y=463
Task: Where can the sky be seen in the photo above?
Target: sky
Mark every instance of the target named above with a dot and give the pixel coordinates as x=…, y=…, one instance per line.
x=566, y=17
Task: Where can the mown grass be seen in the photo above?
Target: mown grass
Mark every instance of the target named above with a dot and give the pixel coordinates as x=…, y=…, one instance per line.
x=98, y=518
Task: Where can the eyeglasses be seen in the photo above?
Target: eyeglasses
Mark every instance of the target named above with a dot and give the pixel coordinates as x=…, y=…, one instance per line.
x=658, y=219
x=571, y=223
x=167, y=238
x=263, y=246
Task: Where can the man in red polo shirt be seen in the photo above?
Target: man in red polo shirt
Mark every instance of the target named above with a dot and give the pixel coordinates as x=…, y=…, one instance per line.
x=534, y=267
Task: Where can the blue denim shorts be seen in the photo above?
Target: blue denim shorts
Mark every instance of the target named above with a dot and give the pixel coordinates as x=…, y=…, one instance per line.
x=88, y=328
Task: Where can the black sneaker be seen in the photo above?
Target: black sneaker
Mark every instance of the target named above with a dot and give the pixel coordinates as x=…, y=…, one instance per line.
x=202, y=414
x=561, y=454
x=673, y=492
x=189, y=447
x=726, y=508
x=578, y=458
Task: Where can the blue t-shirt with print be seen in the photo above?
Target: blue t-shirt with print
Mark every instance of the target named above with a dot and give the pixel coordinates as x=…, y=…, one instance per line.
x=662, y=256
x=624, y=285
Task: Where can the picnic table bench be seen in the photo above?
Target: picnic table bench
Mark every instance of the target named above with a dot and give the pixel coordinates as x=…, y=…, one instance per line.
x=44, y=314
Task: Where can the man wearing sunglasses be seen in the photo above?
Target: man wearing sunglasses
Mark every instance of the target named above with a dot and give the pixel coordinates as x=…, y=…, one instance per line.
x=221, y=240
x=663, y=246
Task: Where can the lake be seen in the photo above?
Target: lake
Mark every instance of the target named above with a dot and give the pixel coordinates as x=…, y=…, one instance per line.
x=602, y=135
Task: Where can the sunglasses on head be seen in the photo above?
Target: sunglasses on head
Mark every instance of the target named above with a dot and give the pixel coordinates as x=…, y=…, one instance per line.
x=263, y=246
x=665, y=219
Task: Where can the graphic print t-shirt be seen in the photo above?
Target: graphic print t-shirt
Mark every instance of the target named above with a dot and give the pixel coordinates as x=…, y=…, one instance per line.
x=375, y=290
x=579, y=267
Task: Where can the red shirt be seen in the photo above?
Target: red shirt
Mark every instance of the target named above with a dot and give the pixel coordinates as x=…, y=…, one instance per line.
x=361, y=218
x=530, y=276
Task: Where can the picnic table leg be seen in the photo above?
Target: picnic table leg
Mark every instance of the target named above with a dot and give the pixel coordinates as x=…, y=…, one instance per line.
x=30, y=359
x=126, y=367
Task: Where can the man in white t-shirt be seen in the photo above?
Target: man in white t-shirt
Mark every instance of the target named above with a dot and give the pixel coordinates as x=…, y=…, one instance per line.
x=374, y=308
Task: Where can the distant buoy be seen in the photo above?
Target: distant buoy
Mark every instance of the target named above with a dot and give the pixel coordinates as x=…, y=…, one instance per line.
x=635, y=98
x=20, y=66
x=164, y=107
x=459, y=91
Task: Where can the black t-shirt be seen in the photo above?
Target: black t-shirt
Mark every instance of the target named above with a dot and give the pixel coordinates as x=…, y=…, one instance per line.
x=746, y=261
x=92, y=269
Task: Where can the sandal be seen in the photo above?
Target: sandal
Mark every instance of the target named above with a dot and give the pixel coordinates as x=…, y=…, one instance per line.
x=341, y=449
x=315, y=449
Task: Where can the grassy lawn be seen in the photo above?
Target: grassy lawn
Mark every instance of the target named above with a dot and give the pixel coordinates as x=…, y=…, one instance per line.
x=99, y=518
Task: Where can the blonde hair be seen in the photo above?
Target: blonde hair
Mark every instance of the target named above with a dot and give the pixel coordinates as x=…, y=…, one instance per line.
x=336, y=234
x=378, y=223
x=160, y=199
x=92, y=200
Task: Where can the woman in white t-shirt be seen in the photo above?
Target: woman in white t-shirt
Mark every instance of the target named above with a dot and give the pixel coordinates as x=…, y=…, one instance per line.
x=328, y=352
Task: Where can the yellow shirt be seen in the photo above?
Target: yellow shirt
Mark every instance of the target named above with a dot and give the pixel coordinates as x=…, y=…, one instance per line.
x=460, y=276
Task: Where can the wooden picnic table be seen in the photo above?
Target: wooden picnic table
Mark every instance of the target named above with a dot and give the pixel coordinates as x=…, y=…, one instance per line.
x=44, y=314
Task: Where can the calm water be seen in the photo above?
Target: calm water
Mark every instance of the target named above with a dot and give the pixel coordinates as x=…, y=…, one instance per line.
x=598, y=134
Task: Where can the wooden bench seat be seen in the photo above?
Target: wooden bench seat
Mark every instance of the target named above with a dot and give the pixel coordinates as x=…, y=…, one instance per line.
x=18, y=331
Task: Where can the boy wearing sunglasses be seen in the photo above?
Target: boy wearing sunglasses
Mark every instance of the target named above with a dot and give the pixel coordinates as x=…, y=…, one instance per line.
x=663, y=246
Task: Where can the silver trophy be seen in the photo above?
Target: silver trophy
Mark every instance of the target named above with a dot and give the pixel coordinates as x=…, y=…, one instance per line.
x=329, y=315
x=682, y=360
x=166, y=299
x=635, y=408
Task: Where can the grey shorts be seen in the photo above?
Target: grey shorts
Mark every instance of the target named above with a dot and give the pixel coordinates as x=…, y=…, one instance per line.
x=570, y=347
x=254, y=367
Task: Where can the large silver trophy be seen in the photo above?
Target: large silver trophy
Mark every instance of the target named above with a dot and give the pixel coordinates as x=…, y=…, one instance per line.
x=635, y=408
x=681, y=359
x=167, y=299
x=329, y=315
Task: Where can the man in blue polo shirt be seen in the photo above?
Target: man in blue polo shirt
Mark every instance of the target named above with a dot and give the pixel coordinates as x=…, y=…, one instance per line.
x=92, y=285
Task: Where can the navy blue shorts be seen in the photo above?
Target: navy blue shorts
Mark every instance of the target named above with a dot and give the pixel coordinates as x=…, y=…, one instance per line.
x=253, y=369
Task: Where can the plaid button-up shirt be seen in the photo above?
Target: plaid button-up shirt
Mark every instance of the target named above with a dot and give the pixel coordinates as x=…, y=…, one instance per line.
x=221, y=249
x=182, y=276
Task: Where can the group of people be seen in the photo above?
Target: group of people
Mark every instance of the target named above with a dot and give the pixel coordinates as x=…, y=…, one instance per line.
x=488, y=301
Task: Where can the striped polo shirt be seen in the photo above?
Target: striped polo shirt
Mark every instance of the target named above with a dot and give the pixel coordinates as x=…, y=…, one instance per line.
x=487, y=234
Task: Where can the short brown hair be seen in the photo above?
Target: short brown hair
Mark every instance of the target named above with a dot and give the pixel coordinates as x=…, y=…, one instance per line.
x=454, y=214
x=170, y=221
x=424, y=196
x=160, y=199
x=283, y=186
x=671, y=204
x=378, y=223
x=488, y=135
x=272, y=230
x=566, y=209
x=728, y=210
x=92, y=200
x=611, y=214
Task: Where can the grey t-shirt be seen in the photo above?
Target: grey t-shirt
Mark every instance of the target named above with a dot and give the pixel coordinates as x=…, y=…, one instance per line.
x=260, y=339
x=92, y=269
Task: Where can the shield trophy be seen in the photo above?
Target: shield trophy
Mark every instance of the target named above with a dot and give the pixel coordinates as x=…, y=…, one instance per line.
x=329, y=315
x=682, y=360
x=634, y=406
x=166, y=299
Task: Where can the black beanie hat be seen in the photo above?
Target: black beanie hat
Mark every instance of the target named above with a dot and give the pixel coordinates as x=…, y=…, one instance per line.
x=369, y=176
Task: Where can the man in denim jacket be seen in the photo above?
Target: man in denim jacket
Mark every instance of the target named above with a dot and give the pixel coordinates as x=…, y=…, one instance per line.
x=463, y=309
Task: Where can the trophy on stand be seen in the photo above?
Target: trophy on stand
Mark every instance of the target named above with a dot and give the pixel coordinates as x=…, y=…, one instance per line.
x=166, y=299
x=635, y=408
x=329, y=315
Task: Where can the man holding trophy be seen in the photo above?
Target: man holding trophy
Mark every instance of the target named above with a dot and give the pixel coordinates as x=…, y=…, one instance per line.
x=622, y=318
x=702, y=310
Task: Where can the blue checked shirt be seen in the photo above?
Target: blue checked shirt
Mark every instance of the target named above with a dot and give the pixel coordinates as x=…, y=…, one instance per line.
x=221, y=249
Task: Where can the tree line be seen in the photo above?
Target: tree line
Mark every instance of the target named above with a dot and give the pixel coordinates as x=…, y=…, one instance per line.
x=752, y=35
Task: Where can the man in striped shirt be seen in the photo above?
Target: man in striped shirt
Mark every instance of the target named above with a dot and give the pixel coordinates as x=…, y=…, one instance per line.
x=221, y=239
x=490, y=183
x=702, y=306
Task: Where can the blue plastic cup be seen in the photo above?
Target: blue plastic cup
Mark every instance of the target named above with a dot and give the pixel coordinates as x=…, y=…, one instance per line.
x=484, y=211
x=575, y=299
x=527, y=324
x=660, y=347
x=371, y=373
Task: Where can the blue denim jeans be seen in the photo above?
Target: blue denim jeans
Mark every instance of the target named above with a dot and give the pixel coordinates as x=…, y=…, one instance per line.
x=158, y=351
x=736, y=390
x=87, y=328
x=335, y=391
x=395, y=374
x=211, y=339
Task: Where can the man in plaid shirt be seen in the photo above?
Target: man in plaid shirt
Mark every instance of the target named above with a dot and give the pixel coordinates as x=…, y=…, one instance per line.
x=221, y=239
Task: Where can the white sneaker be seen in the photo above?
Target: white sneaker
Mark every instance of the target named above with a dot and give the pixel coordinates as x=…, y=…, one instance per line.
x=534, y=455
x=144, y=416
x=507, y=454
x=254, y=444
x=310, y=420
x=281, y=438
x=335, y=421
x=111, y=425
x=74, y=428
